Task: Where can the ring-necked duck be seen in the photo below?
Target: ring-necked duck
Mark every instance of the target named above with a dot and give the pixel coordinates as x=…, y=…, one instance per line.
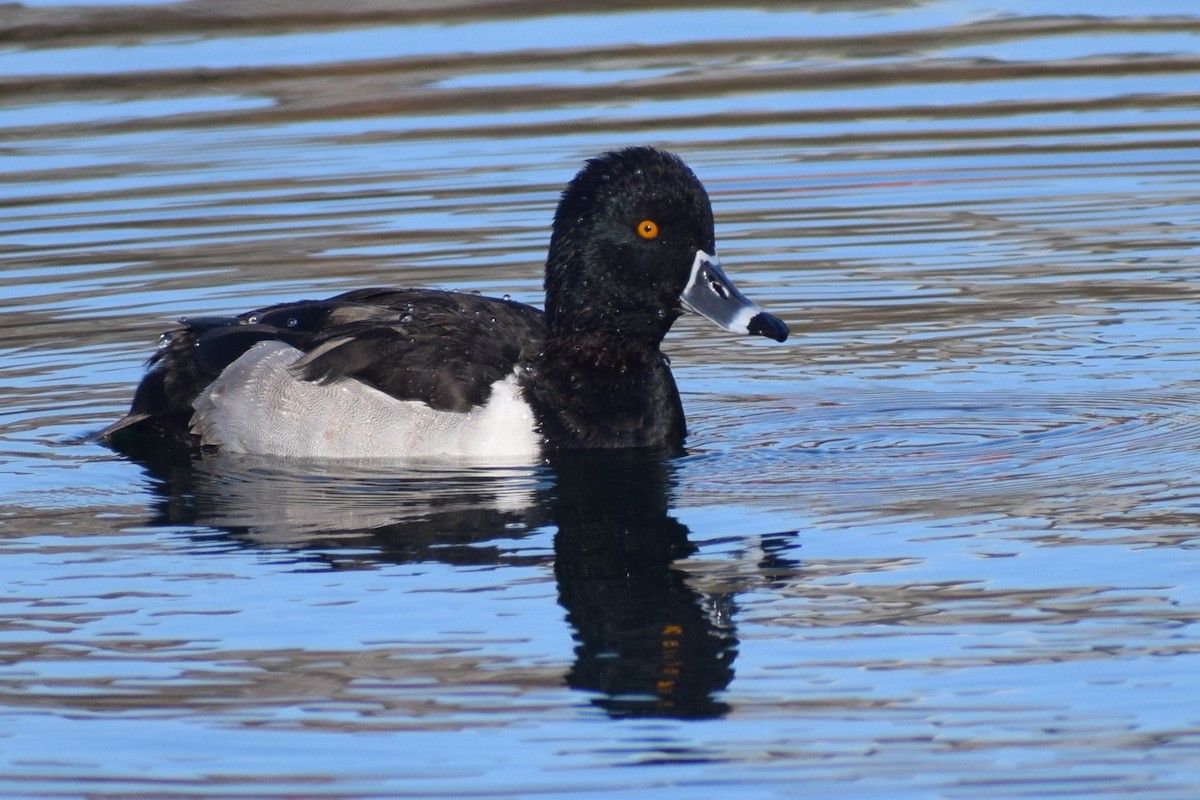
x=414, y=372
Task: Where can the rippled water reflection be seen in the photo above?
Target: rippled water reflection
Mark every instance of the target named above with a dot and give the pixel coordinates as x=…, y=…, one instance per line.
x=942, y=543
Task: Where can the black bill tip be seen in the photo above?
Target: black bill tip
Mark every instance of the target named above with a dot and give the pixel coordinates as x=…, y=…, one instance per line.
x=763, y=324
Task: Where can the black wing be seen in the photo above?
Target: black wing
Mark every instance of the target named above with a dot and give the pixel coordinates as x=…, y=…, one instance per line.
x=445, y=349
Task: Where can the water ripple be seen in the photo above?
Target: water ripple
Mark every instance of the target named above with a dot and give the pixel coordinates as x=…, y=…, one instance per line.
x=953, y=453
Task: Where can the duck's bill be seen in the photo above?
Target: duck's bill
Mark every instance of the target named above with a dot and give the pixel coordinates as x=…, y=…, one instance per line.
x=712, y=295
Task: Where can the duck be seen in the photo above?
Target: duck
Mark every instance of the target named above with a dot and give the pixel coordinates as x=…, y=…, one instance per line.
x=397, y=372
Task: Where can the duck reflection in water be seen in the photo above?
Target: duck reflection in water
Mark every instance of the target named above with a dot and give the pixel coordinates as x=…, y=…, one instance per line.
x=648, y=642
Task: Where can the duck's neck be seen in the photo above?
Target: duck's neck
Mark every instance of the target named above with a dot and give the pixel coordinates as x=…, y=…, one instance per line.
x=598, y=391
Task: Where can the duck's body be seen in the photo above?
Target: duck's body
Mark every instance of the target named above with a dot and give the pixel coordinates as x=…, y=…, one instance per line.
x=412, y=372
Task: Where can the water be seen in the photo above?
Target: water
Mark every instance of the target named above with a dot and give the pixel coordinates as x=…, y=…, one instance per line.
x=942, y=543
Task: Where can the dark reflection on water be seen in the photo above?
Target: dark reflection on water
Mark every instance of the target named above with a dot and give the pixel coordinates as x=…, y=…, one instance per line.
x=648, y=643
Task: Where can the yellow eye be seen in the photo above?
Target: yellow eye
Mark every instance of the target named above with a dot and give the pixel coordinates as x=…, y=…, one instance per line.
x=648, y=229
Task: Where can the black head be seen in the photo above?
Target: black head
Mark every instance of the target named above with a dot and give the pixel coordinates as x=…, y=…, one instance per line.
x=625, y=233
x=633, y=246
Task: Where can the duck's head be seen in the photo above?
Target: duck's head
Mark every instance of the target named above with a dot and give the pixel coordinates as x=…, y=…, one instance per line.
x=633, y=247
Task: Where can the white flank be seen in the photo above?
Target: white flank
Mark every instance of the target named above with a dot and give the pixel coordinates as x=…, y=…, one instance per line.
x=258, y=406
